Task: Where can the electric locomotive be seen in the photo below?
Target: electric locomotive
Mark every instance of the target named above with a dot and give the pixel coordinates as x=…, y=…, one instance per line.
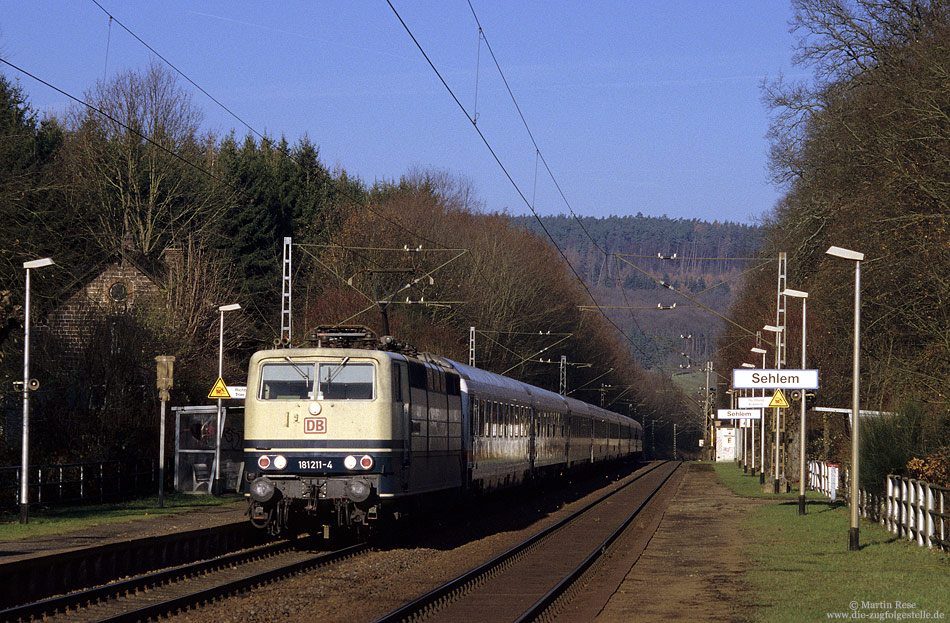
x=357, y=429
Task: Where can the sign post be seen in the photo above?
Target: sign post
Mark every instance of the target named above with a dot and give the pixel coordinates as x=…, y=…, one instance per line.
x=165, y=381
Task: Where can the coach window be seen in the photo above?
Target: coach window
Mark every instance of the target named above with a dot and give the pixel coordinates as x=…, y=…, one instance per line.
x=287, y=381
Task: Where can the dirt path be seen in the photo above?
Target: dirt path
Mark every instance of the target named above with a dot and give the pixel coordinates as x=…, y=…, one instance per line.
x=692, y=568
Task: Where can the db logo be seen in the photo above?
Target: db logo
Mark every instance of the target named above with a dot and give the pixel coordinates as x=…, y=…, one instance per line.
x=315, y=425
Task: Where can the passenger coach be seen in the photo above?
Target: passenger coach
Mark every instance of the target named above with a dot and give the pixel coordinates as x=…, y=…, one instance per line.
x=336, y=437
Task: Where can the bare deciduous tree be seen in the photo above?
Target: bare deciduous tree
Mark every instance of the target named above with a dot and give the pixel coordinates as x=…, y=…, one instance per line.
x=141, y=170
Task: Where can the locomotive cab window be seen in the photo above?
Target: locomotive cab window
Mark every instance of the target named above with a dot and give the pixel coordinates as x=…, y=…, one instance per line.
x=325, y=381
x=287, y=381
x=346, y=381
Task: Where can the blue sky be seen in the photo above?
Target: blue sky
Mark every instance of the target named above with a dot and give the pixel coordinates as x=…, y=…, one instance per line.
x=636, y=106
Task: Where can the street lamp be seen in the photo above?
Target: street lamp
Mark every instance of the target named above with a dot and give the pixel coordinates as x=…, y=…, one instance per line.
x=857, y=258
x=217, y=444
x=737, y=429
x=778, y=412
x=751, y=435
x=760, y=351
x=801, y=450
x=27, y=387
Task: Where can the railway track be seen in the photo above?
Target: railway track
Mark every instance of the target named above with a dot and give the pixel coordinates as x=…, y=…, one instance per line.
x=155, y=594
x=168, y=591
x=532, y=580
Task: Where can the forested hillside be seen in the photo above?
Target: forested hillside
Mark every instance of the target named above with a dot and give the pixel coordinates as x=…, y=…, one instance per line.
x=702, y=262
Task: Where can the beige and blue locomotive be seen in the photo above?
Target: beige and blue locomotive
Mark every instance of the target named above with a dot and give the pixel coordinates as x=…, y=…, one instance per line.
x=339, y=437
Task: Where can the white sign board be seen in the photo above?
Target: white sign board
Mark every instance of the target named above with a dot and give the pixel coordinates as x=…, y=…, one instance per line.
x=237, y=391
x=725, y=444
x=754, y=402
x=739, y=414
x=744, y=378
x=833, y=480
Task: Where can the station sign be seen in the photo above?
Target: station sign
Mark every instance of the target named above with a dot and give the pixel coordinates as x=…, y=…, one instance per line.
x=744, y=378
x=739, y=414
x=754, y=402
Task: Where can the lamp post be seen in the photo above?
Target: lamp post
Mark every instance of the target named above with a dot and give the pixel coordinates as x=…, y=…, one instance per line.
x=760, y=351
x=735, y=427
x=857, y=258
x=25, y=457
x=778, y=412
x=217, y=444
x=751, y=452
x=801, y=443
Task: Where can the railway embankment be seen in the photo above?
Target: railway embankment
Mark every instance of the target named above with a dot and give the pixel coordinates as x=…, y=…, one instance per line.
x=798, y=568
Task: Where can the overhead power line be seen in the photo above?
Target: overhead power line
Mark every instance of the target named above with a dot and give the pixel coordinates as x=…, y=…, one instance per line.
x=503, y=167
x=262, y=136
x=524, y=121
x=540, y=156
x=112, y=18
x=98, y=110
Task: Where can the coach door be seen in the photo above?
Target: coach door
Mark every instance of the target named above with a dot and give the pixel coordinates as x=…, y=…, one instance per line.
x=532, y=417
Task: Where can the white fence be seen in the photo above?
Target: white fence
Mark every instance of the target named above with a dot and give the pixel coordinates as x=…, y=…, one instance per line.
x=824, y=478
x=917, y=510
x=913, y=509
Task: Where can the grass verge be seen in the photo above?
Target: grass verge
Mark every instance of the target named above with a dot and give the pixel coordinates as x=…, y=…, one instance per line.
x=59, y=520
x=801, y=570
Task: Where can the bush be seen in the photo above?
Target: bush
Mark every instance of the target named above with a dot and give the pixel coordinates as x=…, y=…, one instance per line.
x=891, y=444
x=934, y=469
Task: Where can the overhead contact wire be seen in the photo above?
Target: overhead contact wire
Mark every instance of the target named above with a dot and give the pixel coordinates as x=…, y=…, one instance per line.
x=251, y=128
x=502, y=166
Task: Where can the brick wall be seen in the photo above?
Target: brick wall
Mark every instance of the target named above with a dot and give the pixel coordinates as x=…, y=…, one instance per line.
x=115, y=291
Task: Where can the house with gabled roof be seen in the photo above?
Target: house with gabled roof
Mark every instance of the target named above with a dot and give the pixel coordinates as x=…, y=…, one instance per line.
x=112, y=289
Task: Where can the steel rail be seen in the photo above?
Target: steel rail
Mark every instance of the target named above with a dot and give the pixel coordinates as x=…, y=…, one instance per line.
x=63, y=603
x=440, y=594
x=551, y=597
x=234, y=586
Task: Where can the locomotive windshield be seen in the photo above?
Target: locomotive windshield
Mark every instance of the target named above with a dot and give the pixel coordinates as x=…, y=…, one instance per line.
x=337, y=381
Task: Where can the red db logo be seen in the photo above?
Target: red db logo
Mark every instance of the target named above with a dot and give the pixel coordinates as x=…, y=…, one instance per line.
x=315, y=425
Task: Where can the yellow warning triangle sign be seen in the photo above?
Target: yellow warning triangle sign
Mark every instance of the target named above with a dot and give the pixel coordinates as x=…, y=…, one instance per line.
x=778, y=400
x=220, y=390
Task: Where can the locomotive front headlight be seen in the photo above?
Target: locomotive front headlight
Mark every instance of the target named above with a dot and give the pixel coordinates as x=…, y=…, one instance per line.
x=280, y=462
x=349, y=462
x=358, y=490
x=262, y=490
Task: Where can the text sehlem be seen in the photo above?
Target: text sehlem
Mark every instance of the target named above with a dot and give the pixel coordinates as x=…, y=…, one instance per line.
x=774, y=378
